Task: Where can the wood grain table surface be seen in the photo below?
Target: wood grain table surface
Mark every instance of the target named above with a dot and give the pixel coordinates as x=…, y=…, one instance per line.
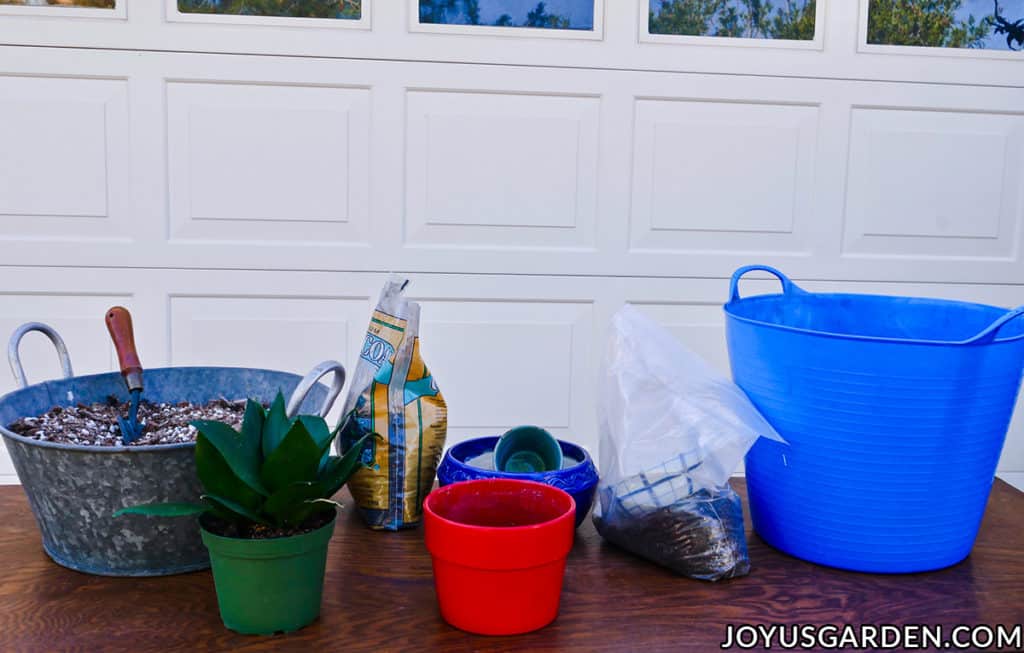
x=379, y=596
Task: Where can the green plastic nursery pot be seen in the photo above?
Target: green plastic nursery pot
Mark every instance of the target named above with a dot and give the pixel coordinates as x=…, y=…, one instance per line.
x=272, y=585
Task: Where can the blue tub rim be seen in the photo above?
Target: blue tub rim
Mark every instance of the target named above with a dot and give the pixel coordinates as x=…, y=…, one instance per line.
x=790, y=288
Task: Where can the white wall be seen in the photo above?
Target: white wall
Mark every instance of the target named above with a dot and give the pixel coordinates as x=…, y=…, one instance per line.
x=245, y=188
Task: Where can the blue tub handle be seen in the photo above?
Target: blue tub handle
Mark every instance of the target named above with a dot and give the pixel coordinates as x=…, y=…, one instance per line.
x=14, y=357
x=788, y=287
x=992, y=330
x=307, y=383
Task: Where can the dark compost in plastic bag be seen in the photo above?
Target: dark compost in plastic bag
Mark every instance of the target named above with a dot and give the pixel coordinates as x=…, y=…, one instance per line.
x=672, y=431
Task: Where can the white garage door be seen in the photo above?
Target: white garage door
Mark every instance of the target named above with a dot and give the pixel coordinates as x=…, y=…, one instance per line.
x=245, y=183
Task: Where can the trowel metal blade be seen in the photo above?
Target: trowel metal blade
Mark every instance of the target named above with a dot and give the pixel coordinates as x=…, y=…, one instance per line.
x=130, y=430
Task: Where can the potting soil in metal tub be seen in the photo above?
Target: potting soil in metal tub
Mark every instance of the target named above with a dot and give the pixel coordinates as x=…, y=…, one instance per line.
x=73, y=490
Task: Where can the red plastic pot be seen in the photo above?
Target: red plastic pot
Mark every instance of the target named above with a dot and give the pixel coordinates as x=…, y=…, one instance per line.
x=499, y=548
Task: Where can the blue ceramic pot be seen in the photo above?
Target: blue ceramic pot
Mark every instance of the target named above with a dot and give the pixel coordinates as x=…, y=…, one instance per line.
x=579, y=480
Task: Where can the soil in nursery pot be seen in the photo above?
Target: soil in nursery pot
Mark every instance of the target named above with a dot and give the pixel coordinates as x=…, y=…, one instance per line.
x=96, y=424
x=224, y=528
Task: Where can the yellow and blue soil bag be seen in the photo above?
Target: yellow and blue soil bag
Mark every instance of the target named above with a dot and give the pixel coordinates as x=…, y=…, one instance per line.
x=394, y=395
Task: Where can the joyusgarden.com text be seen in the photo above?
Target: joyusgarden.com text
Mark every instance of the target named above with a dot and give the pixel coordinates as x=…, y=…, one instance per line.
x=851, y=637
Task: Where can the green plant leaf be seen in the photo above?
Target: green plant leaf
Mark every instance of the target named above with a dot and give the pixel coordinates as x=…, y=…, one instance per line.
x=311, y=507
x=296, y=459
x=276, y=426
x=243, y=460
x=292, y=495
x=318, y=430
x=240, y=512
x=163, y=509
x=338, y=469
x=222, y=513
x=321, y=434
x=218, y=478
x=286, y=505
x=252, y=427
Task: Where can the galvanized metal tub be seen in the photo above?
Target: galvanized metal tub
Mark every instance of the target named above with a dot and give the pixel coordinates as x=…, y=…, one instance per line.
x=73, y=490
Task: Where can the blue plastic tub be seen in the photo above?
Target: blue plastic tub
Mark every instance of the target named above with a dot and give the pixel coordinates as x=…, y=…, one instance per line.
x=895, y=410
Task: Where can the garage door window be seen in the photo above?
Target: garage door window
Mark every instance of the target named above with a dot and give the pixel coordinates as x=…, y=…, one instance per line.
x=558, y=18
x=980, y=25
x=65, y=8
x=773, y=23
x=320, y=13
x=102, y=4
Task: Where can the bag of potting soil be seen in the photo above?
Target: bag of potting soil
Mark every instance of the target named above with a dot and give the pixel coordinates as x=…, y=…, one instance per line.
x=672, y=431
x=394, y=395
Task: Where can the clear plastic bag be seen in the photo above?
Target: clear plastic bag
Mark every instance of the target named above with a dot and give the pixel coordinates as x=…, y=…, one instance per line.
x=672, y=432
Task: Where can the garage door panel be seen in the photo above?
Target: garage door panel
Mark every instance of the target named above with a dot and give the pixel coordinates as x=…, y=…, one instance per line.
x=377, y=165
x=934, y=183
x=505, y=363
x=284, y=333
x=723, y=175
x=64, y=158
x=500, y=169
x=268, y=162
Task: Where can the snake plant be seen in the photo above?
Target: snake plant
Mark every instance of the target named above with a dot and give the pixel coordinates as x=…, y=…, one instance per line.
x=275, y=472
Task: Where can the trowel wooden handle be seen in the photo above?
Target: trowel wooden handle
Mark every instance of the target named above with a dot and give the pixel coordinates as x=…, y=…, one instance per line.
x=119, y=324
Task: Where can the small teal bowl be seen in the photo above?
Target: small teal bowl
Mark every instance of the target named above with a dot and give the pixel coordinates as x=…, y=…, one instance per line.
x=579, y=479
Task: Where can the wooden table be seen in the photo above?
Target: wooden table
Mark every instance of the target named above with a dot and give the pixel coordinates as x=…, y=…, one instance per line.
x=379, y=596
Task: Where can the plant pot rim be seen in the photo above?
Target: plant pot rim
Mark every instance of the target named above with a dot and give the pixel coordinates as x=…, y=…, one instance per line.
x=257, y=547
x=569, y=513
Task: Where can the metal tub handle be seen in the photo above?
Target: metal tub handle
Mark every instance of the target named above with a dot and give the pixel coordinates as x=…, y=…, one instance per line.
x=14, y=357
x=307, y=383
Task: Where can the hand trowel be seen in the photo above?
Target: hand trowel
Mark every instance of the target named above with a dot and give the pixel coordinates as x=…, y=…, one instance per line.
x=119, y=324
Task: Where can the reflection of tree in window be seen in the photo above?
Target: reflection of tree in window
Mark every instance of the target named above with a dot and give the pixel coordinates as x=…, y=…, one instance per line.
x=991, y=24
x=1014, y=31
x=546, y=14
x=103, y=4
x=539, y=17
x=344, y=9
x=758, y=19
